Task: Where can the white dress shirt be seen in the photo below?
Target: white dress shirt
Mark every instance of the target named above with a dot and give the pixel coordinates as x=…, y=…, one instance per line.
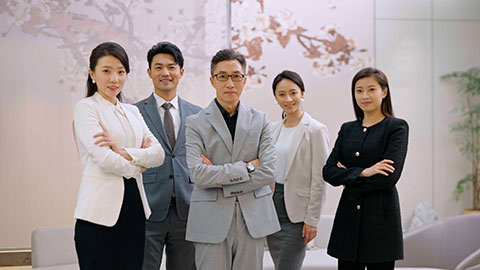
x=283, y=146
x=174, y=111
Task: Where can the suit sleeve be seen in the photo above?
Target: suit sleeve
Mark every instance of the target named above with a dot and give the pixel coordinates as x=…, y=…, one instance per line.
x=86, y=124
x=331, y=172
x=396, y=151
x=150, y=157
x=320, y=146
x=209, y=176
x=264, y=173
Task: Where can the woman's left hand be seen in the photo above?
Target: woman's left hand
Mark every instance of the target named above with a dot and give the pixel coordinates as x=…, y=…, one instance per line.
x=105, y=140
x=309, y=232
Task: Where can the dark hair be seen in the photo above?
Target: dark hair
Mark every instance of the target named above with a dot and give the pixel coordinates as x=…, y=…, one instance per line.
x=166, y=48
x=226, y=55
x=289, y=75
x=381, y=79
x=106, y=49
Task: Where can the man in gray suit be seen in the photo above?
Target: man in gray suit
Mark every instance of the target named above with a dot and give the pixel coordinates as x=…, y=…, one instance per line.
x=231, y=157
x=168, y=187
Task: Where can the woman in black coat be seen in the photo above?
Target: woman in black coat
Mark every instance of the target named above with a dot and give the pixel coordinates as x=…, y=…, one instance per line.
x=367, y=160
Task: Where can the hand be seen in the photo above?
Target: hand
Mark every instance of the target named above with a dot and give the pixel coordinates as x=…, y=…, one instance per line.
x=340, y=165
x=255, y=162
x=105, y=140
x=146, y=143
x=383, y=167
x=205, y=160
x=309, y=232
x=272, y=187
x=142, y=169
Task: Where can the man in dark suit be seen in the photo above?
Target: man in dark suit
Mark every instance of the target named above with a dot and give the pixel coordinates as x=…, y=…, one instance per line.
x=168, y=187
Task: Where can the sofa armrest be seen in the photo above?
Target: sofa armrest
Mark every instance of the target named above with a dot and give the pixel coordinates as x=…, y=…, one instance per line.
x=472, y=260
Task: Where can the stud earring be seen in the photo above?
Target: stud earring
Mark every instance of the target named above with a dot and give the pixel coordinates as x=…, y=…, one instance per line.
x=93, y=81
x=302, y=99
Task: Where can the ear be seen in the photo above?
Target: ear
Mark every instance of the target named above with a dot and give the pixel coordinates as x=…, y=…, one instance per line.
x=149, y=71
x=302, y=94
x=385, y=92
x=92, y=74
x=211, y=81
x=182, y=70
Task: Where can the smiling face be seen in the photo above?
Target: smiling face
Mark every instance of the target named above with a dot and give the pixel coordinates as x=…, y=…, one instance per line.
x=369, y=95
x=165, y=74
x=288, y=95
x=110, y=76
x=228, y=92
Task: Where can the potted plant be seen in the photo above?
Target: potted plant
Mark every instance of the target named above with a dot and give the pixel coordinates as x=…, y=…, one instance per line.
x=467, y=129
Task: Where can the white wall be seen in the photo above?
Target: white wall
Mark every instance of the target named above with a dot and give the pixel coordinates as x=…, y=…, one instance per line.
x=417, y=41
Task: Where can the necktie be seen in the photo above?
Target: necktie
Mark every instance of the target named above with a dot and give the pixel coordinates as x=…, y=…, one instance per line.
x=168, y=123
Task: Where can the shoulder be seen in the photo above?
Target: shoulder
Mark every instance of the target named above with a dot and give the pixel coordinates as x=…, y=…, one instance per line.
x=256, y=113
x=191, y=106
x=85, y=104
x=193, y=118
x=317, y=125
x=397, y=122
x=350, y=124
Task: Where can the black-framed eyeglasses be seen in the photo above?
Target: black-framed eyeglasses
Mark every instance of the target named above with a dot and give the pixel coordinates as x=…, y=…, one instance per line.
x=223, y=77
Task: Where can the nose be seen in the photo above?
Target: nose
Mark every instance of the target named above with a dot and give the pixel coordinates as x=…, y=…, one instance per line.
x=229, y=82
x=164, y=72
x=114, y=77
x=288, y=98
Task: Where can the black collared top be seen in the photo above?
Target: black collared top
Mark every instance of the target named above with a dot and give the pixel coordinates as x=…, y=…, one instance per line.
x=231, y=121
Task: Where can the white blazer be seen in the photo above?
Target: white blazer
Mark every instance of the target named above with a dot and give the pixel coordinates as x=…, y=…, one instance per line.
x=304, y=185
x=101, y=190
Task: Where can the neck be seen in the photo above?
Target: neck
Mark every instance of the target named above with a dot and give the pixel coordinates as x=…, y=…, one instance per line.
x=372, y=118
x=230, y=108
x=166, y=95
x=292, y=119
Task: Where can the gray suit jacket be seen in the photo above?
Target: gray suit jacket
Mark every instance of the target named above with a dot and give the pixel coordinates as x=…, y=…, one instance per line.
x=158, y=181
x=212, y=207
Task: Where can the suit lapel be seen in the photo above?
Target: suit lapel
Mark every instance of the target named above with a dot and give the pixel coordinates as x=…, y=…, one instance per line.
x=297, y=138
x=241, y=130
x=151, y=108
x=214, y=116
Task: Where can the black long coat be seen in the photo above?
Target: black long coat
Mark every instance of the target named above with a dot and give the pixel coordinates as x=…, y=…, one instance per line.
x=367, y=226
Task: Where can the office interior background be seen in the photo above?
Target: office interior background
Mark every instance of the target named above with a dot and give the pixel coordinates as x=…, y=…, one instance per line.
x=45, y=44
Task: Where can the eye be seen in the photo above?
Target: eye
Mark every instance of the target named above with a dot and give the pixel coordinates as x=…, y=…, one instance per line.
x=222, y=76
x=372, y=89
x=105, y=71
x=237, y=76
x=121, y=71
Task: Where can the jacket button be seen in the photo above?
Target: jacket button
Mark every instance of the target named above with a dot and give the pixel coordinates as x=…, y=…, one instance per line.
x=285, y=179
x=358, y=206
x=173, y=156
x=364, y=129
x=170, y=176
x=357, y=154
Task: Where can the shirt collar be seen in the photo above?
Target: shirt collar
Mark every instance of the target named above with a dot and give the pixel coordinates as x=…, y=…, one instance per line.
x=107, y=103
x=224, y=112
x=160, y=101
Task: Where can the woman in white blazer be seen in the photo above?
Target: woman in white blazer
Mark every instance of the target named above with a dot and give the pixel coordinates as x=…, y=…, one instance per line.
x=302, y=147
x=115, y=146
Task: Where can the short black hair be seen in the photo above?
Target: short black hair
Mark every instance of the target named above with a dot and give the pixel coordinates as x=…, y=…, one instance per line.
x=226, y=55
x=166, y=48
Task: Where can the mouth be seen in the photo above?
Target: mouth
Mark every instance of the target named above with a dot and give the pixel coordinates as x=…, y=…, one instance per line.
x=366, y=103
x=165, y=81
x=112, y=88
x=230, y=92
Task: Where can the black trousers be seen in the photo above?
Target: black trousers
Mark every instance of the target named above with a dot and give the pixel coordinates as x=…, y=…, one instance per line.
x=344, y=265
x=118, y=247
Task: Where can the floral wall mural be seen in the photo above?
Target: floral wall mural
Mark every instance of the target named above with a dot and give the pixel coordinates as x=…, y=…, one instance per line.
x=326, y=48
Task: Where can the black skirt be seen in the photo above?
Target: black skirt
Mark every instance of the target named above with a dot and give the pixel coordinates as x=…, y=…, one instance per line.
x=118, y=247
